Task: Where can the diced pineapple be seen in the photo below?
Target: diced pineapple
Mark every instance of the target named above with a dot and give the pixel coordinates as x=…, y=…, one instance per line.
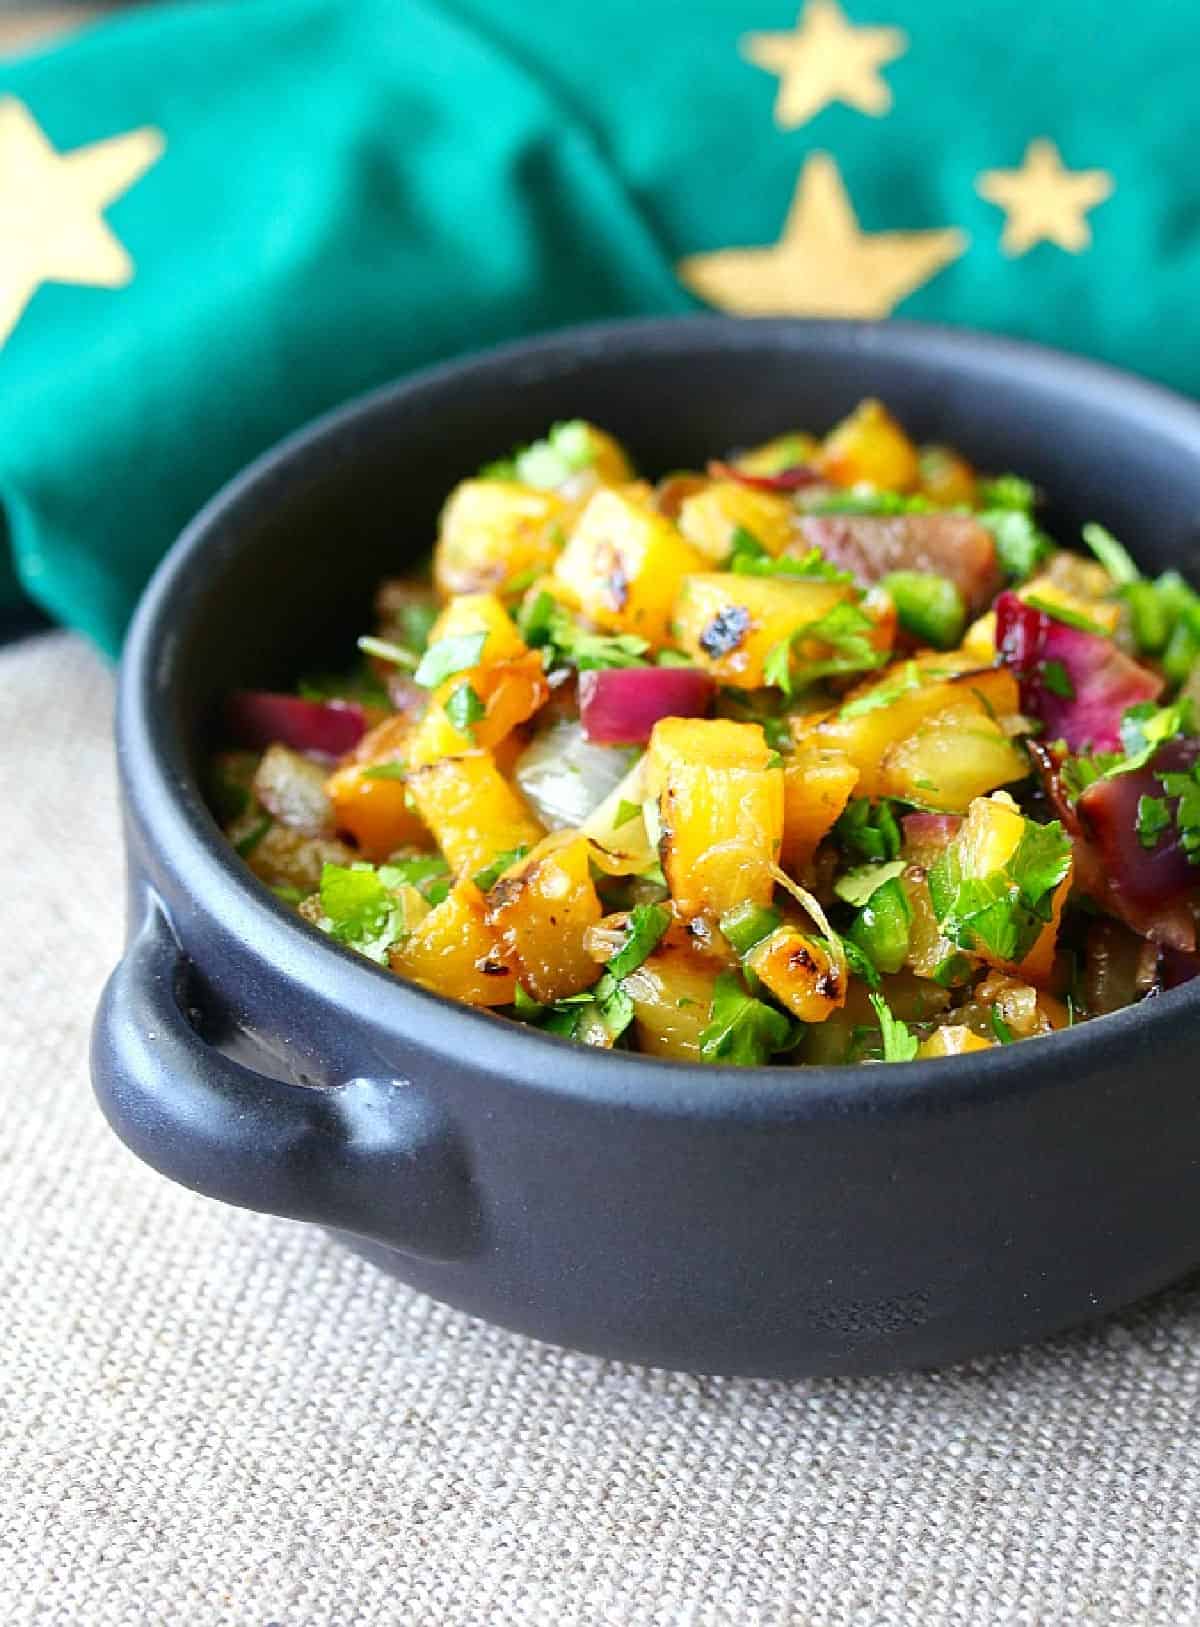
x=606, y=457
x=789, y=451
x=950, y=759
x=1051, y=590
x=493, y=533
x=455, y=952
x=816, y=788
x=952, y=1039
x=870, y=448
x=510, y=692
x=541, y=909
x=623, y=565
x=709, y=518
x=720, y=807
x=800, y=972
x=672, y=1000
x=472, y=810
x=876, y=717
x=474, y=613
x=980, y=641
x=729, y=624
x=370, y=796
x=946, y=477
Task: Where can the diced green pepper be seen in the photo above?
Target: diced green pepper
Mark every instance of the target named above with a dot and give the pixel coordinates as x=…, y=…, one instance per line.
x=881, y=927
x=929, y=607
x=747, y=924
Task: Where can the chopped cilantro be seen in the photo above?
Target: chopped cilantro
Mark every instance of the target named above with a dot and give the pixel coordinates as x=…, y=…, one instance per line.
x=566, y=448
x=1005, y=910
x=1020, y=545
x=625, y=812
x=1007, y=491
x=487, y=878
x=845, y=628
x=745, y=551
x=673, y=658
x=359, y=909
x=385, y=650
x=741, y=1030
x=1144, y=728
x=647, y=923
x=860, y=964
x=448, y=656
x=1057, y=679
x=899, y=1044
x=812, y=566
x=908, y=678
x=525, y=1006
x=427, y=872
x=868, y=831
x=395, y=770
x=548, y=626
x=1186, y=787
x=1000, y=1028
x=464, y=709
x=1153, y=819
x=856, y=886
x=870, y=502
x=1113, y=555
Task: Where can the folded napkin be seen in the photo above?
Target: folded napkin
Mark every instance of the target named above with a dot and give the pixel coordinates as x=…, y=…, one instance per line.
x=218, y=219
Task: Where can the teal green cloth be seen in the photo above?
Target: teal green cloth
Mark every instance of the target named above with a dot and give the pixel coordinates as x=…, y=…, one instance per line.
x=352, y=188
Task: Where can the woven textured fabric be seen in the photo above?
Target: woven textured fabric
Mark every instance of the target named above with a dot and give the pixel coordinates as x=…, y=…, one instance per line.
x=217, y=1419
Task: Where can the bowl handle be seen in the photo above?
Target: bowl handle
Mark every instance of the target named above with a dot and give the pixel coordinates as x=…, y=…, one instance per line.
x=378, y=1157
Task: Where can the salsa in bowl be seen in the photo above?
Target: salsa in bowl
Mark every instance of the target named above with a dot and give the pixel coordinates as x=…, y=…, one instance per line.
x=825, y=752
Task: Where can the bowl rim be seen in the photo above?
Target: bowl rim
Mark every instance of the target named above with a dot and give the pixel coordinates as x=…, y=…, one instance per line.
x=185, y=839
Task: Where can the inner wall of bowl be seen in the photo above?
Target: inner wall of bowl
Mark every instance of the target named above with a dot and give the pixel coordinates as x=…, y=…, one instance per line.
x=285, y=582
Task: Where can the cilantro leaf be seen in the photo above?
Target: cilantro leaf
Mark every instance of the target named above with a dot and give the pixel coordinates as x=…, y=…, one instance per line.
x=427, y=872
x=625, y=812
x=1000, y=1028
x=899, y=1043
x=1020, y=545
x=1007, y=491
x=360, y=910
x=908, y=678
x=546, y=625
x=1005, y=910
x=741, y=1030
x=647, y=923
x=464, y=709
x=394, y=770
x=1153, y=819
x=448, y=656
x=845, y=628
x=811, y=566
x=1057, y=679
x=487, y=878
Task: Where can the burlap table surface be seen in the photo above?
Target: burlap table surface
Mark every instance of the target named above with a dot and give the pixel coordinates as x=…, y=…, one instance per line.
x=210, y=1417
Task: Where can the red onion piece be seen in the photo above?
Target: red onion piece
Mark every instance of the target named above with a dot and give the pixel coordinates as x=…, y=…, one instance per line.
x=260, y=717
x=1147, y=878
x=1104, y=681
x=930, y=830
x=790, y=479
x=620, y=705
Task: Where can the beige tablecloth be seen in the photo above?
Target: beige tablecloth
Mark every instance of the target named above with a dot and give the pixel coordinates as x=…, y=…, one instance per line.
x=214, y=1417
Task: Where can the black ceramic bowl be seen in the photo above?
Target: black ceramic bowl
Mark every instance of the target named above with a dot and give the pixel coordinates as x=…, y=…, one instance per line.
x=771, y=1221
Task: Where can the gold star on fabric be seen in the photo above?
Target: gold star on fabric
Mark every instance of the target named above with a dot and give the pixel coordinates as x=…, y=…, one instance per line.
x=824, y=264
x=826, y=59
x=1044, y=201
x=51, y=209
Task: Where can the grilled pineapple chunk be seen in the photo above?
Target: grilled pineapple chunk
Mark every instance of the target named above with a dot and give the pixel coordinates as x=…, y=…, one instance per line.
x=507, y=685
x=870, y=448
x=472, y=810
x=493, y=533
x=709, y=518
x=455, y=952
x=953, y=1039
x=540, y=910
x=372, y=807
x=729, y=624
x=623, y=565
x=878, y=718
x=672, y=1000
x=816, y=788
x=720, y=807
x=950, y=759
x=801, y=972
